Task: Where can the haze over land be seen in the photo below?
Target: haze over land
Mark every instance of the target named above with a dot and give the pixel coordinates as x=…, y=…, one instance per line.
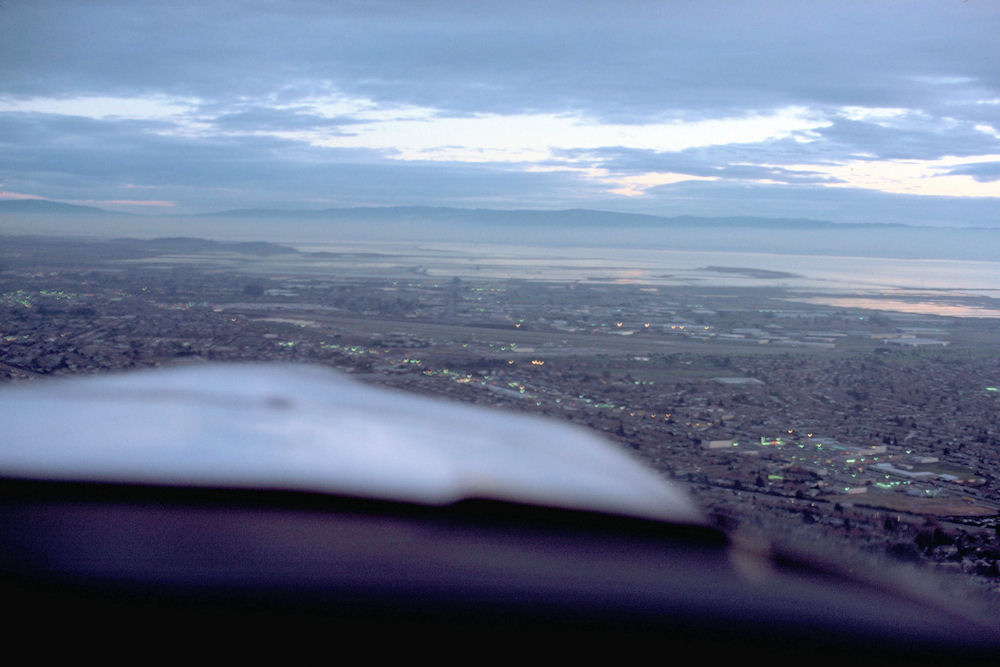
x=576, y=228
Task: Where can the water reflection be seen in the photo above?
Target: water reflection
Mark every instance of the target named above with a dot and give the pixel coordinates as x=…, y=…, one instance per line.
x=914, y=307
x=924, y=286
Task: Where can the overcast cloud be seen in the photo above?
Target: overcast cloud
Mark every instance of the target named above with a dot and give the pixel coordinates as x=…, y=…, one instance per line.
x=849, y=111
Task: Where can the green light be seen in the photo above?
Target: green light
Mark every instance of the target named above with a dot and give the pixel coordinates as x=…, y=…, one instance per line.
x=992, y=389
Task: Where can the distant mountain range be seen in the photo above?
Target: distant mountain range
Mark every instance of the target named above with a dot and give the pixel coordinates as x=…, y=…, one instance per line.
x=575, y=227
x=577, y=217
x=478, y=216
x=48, y=207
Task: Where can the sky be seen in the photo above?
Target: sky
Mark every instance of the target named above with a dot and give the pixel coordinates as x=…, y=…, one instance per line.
x=873, y=111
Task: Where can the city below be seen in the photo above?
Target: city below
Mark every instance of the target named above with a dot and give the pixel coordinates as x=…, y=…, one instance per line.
x=861, y=424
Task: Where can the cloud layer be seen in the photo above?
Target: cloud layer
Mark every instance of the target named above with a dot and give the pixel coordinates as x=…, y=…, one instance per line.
x=854, y=111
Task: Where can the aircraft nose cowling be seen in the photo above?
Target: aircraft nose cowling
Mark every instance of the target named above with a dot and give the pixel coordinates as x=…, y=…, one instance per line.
x=307, y=428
